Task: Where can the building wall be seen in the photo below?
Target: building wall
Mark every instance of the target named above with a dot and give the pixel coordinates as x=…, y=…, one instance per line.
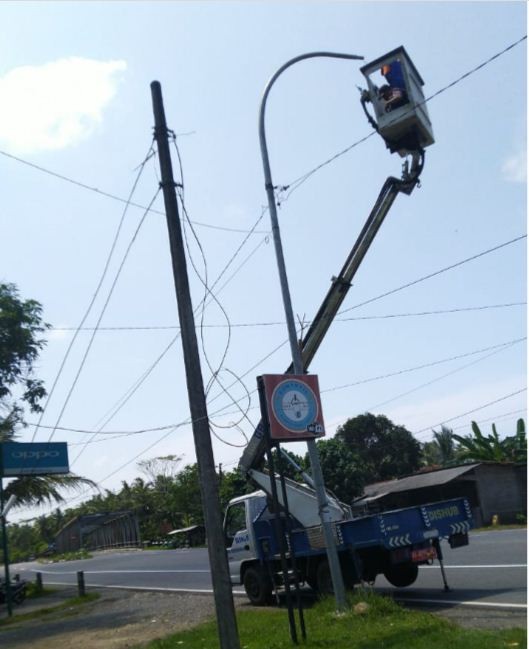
x=502, y=491
x=499, y=489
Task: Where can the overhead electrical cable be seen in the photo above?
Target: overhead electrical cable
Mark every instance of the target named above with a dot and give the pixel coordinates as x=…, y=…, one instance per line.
x=499, y=346
x=96, y=292
x=434, y=274
x=120, y=403
x=113, y=196
x=443, y=376
x=102, y=313
x=496, y=418
x=469, y=412
x=234, y=325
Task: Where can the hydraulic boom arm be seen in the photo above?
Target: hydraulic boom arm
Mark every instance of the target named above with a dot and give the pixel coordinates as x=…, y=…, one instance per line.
x=254, y=452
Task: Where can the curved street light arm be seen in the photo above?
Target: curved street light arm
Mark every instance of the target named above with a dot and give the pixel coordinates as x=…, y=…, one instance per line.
x=291, y=325
x=297, y=362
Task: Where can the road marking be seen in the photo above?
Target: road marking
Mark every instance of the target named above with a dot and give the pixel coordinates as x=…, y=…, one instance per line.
x=462, y=603
x=114, y=572
x=492, y=565
x=241, y=593
x=202, y=591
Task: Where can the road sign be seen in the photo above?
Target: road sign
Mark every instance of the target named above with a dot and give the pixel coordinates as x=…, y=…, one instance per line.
x=294, y=406
x=41, y=458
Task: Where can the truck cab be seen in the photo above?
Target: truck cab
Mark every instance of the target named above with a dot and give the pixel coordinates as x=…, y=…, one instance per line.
x=239, y=531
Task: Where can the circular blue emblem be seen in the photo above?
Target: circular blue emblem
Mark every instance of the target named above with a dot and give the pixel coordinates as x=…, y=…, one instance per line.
x=295, y=405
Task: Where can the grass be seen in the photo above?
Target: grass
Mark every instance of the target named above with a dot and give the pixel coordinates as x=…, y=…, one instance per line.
x=33, y=592
x=375, y=623
x=67, y=605
x=66, y=556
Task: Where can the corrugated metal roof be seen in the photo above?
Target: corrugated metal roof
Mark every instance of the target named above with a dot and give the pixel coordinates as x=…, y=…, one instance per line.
x=417, y=481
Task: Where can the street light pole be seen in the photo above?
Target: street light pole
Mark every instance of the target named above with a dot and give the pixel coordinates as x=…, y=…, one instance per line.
x=297, y=361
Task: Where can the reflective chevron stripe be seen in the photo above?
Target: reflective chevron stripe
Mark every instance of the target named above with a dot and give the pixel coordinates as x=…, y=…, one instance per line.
x=459, y=528
x=399, y=541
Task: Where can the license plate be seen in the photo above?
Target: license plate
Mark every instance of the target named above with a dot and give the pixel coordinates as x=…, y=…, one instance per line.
x=424, y=554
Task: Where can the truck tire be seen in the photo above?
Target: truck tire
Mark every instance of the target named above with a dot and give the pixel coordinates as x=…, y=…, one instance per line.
x=402, y=574
x=257, y=585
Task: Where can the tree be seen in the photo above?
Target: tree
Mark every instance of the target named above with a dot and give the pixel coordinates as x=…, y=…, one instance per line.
x=21, y=327
x=490, y=448
x=342, y=470
x=442, y=450
x=383, y=449
x=20, y=343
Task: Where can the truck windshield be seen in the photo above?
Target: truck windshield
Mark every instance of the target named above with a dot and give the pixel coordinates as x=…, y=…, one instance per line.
x=235, y=519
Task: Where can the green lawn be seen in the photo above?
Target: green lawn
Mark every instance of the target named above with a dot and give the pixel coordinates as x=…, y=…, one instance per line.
x=382, y=624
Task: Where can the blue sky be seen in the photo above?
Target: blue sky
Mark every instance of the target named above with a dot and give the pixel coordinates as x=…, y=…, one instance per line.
x=74, y=80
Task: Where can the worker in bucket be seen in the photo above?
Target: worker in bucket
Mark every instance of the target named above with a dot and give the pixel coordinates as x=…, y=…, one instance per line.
x=393, y=94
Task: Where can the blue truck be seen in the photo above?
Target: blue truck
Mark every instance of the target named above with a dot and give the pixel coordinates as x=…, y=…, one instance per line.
x=392, y=543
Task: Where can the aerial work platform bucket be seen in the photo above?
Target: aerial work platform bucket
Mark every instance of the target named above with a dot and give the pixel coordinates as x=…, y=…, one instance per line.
x=395, y=90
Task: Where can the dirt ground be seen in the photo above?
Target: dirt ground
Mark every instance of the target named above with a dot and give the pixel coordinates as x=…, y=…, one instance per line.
x=118, y=620
x=123, y=619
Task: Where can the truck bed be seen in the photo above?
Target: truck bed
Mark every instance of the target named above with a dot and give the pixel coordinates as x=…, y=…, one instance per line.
x=388, y=530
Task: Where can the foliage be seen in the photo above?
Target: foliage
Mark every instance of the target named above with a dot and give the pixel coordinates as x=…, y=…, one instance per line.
x=383, y=449
x=69, y=556
x=342, y=470
x=490, y=448
x=379, y=622
x=442, y=450
x=20, y=328
x=20, y=343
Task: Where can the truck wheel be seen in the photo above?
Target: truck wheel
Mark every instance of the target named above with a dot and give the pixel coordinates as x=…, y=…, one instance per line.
x=401, y=575
x=257, y=585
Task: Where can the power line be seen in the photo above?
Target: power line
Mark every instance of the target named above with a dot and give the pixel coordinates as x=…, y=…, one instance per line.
x=444, y=376
x=234, y=325
x=98, y=288
x=120, y=199
x=434, y=274
x=497, y=347
x=496, y=418
x=469, y=412
x=105, y=305
x=139, y=382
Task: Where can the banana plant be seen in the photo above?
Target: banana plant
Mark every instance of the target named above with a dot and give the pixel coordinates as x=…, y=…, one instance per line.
x=490, y=448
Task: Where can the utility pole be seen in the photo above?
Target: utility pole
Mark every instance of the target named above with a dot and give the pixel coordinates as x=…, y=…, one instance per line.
x=225, y=610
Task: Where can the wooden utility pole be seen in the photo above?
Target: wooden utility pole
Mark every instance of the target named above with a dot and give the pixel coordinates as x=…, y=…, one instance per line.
x=226, y=620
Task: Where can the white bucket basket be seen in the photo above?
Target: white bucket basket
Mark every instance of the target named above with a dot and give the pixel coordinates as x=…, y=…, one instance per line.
x=395, y=90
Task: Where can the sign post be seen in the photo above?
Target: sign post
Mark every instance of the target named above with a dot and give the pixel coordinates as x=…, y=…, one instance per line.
x=41, y=458
x=294, y=407
x=26, y=459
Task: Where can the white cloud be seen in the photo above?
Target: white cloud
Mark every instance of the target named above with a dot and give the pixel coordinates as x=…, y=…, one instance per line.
x=55, y=105
x=514, y=169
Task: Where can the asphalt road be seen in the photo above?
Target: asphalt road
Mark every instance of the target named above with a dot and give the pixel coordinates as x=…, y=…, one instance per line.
x=489, y=572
